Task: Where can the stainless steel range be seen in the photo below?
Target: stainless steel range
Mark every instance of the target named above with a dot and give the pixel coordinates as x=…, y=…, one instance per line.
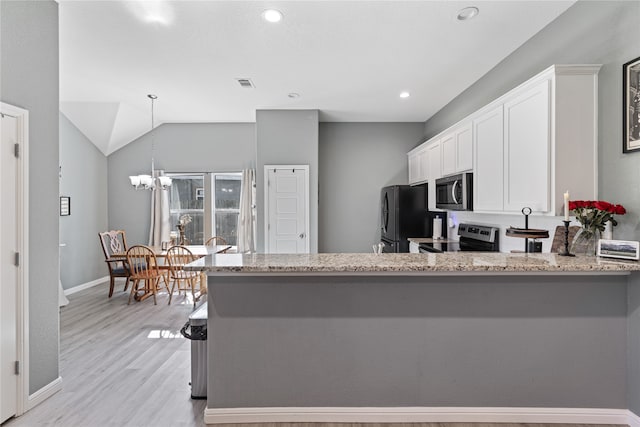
x=473, y=237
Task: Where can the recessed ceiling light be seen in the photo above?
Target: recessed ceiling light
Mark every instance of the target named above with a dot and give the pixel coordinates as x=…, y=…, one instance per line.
x=294, y=95
x=272, y=15
x=404, y=94
x=467, y=13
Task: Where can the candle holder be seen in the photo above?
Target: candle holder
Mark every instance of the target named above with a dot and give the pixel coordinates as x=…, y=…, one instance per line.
x=566, y=240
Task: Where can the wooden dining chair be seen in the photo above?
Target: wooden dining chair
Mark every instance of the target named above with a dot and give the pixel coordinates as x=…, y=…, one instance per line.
x=143, y=266
x=178, y=257
x=115, y=242
x=217, y=240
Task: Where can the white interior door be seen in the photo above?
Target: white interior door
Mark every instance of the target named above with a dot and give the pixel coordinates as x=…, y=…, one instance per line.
x=8, y=269
x=287, y=209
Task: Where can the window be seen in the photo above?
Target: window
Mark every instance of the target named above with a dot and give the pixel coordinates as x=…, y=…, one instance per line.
x=188, y=196
x=227, y=206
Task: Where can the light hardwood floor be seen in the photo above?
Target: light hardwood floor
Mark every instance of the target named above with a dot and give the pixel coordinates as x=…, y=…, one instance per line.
x=128, y=366
x=121, y=365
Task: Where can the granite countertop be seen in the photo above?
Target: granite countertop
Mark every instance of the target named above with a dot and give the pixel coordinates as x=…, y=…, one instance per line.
x=448, y=262
x=431, y=240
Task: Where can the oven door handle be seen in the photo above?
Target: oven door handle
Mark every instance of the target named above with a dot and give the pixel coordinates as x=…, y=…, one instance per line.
x=453, y=192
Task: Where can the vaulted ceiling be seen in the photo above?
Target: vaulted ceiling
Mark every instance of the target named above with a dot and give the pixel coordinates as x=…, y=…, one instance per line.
x=348, y=59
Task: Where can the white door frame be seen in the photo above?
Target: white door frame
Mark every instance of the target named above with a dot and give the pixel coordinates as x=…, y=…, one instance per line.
x=22, y=218
x=307, y=226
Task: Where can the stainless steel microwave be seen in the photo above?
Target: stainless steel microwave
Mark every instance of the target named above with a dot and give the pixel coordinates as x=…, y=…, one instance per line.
x=455, y=192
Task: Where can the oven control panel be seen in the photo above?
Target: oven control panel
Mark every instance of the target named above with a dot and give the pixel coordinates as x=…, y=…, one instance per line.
x=483, y=233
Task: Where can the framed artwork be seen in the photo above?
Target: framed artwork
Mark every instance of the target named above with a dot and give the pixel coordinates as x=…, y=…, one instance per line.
x=631, y=106
x=618, y=249
x=65, y=205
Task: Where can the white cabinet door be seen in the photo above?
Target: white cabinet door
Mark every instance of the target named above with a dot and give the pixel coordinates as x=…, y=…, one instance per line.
x=526, y=150
x=488, y=173
x=418, y=166
x=424, y=165
x=464, y=148
x=414, y=167
x=434, y=171
x=448, y=148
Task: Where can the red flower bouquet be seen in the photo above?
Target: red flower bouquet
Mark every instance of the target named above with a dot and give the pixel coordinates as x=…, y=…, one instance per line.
x=595, y=213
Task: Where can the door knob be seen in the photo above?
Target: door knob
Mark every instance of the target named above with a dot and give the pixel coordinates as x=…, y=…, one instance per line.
x=301, y=235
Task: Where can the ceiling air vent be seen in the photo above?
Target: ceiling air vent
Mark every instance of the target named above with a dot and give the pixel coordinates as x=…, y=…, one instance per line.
x=246, y=83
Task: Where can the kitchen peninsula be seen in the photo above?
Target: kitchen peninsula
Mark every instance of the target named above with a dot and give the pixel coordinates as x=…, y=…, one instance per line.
x=399, y=337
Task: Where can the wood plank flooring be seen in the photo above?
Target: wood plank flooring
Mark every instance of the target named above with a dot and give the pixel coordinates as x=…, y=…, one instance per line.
x=128, y=366
x=121, y=365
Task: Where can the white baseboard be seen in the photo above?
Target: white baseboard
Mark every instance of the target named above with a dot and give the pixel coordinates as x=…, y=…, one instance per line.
x=87, y=285
x=417, y=415
x=634, y=420
x=44, y=393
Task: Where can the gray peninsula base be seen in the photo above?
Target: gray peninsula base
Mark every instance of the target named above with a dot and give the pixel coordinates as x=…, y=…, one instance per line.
x=308, y=340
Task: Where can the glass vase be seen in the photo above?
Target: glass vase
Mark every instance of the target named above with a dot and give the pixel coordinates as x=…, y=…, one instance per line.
x=586, y=241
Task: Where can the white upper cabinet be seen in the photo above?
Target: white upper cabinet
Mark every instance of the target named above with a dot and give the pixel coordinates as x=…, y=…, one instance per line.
x=464, y=148
x=414, y=167
x=448, y=148
x=488, y=177
x=457, y=150
x=418, y=165
x=526, y=149
x=434, y=158
x=529, y=146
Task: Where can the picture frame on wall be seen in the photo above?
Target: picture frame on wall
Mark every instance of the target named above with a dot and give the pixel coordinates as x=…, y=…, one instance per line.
x=623, y=249
x=631, y=106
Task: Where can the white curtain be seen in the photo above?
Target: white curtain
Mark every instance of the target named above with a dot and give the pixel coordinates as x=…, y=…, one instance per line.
x=247, y=218
x=160, y=227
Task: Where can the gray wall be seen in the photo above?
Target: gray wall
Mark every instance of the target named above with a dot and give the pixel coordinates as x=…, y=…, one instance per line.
x=633, y=342
x=207, y=147
x=601, y=32
x=356, y=161
x=472, y=341
x=29, y=79
x=84, y=169
x=287, y=137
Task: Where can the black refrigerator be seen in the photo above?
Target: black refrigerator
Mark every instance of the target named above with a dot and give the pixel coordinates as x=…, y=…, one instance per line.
x=403, y=215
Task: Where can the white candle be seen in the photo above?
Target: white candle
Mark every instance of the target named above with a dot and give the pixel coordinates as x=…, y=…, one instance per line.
x=566, y=205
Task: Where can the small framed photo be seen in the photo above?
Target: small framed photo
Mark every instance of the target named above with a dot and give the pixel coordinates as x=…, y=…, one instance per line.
x=623, y=249
x=631, y=106
x=199, y=193
x=65, y=205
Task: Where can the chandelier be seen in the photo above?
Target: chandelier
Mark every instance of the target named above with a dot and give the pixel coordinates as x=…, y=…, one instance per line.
x=149, y=182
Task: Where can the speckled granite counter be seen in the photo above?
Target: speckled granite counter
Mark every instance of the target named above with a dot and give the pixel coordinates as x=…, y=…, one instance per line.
x=451, y=262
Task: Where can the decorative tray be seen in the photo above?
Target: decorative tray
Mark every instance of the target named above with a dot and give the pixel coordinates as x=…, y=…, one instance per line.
x=529, y=233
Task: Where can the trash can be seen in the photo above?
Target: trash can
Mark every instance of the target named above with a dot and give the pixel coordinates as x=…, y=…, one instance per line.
x=196, y=331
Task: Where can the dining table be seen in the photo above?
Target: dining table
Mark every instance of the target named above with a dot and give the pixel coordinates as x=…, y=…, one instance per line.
x=198, y=251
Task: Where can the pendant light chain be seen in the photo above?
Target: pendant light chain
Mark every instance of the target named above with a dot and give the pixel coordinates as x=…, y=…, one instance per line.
x=151, y=182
